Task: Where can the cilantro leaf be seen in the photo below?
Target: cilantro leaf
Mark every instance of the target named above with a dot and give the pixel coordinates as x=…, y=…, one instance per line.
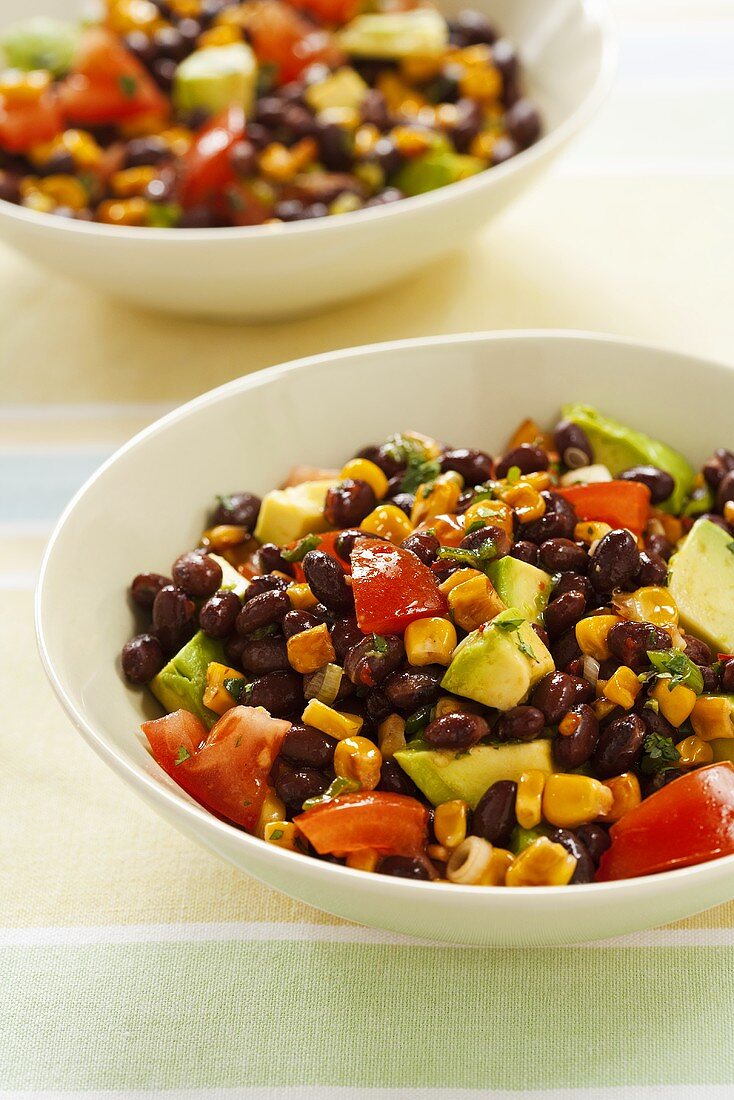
x=730, y=547
x=419, y=472
x=510, y=624
x=277, y=834
x=673, y=664
x=340, y=785
x=660, y=754
x=128, y=85
x=513, y=475
x=379, y=645
x=478, y=558
x=238, y=688
x=302, y=547
x=417, y=720
x=182, y=754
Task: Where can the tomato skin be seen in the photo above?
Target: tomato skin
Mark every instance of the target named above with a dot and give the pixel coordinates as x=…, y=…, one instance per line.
x=207, y=170
x=26, y=125
x=387, y=823
x=618, y=503
x=108, y=84
x=391, y=587
x=329, y=11
x=689, y=821
x=167, y=735
x=283, y=38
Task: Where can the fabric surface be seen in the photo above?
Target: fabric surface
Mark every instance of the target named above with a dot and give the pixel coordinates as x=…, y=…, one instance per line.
x=133, y=963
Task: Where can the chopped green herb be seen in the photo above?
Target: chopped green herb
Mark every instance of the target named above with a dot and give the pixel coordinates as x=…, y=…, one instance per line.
x=510, y=624
x=525, y=649
x=417, y=721
x=128, y=86
x=238, y=688
x=730, y=547
x=299, y=551
x=513, y=475
x=421, y=472
x=164, y=215
x=236, y=199
x=475, y=525
x=479, y=558
x=264, y=632
x=660, y=754
x=653, y=705
x=182, y=754
x=340, y=785
x=277, y=834
x=379, y=645
x=673, y=664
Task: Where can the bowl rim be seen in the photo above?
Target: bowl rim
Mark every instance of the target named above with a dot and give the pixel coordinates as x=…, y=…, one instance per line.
x=177, y=800
x=598, y=11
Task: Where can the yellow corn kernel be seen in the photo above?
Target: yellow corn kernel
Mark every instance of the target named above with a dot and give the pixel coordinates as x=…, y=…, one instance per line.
x=590, y=531
x=334, y=722
x=311, y=649
x=389, y=522
x=470, y=862
x=282, y=833
x=398, y=95
x=346, y=203
x=430, y=447
x=430, y=642
x=365, y=860
x=225, y=34
x=359, y=759
x=301, y=597
x=34, y=200
x=391, y=735
x=483, y=144
x=694, y=752
x=438, y=852
x=538, y=479
x=711, y=717
x=529, y=431
x=185, y=9
x=280, y=164
x=449, y=822
x=652, y=604
x=18, y=88
x=572, y=800
x=132, y=181
x=78, y=143
x=447, y=116
x=435, y=500
x=65, y=191
x=525, y=501
x=273, y=809
x=675, y=705
x=499, y=864
x=729, y=511
x=529, y=798
x=411, y=142
x=474, y=56
x=216, y=696
x=475, y=602
x=178, y=139
x=626, y=795
x=481, y=82
x=365, y=140
x=622, y=687
x=124, y=16
x=542, y=863
x=592, y=634
x=603, y=708
x=123, y=211
x=459, y=576
x=451, y=704
x=361, y=469
x=419, y=70
x=672, y=526
x=224, y=537
x=494, y=513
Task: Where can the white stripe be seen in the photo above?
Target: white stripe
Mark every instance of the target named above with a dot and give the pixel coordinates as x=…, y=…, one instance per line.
x=299, y=932
x=351, y=1092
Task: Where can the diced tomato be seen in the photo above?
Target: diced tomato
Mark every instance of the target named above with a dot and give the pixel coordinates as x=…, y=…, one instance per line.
x=283, y=38
x=391, y=587
x=229, y=774
x=25, y=125
x=108, y=84
x=327, y=543
x=240, y=205
x=329, y=11
x=174, y=737
x=370, y=819
x=207, y=170
x=618, y=503
x=691, y=820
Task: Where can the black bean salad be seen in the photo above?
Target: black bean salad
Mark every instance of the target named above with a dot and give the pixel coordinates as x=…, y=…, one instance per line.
x=443, y=664
x=206, y=113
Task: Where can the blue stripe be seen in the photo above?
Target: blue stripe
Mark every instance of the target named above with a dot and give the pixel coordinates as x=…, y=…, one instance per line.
x=35, y=487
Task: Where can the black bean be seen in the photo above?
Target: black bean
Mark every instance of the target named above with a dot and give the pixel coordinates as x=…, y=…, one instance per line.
x=697, y=651
x=377, y=705
x=471, y=28
x=572, y=444
x=503, y=149
x=494, y=818
x=373, y=109
x=384, y=458
x=654, y=721
x=563, y=613
x=295, y=785
x=367, y=666
x=164, y=71
x=387, y=156
x=572, y=582
x=504, y=58
x=197, y=574
x=269, y=582
x=263, y=610
x=309, y=746
x=142, y=658
x=658, y=544
x=619, y=746
x=394, y=780
x=615, y=561
x=562, y=556
x=558, y=520
x=348, y=503
x=334, y=147
x=405, y=502
x=571, y=750
x=656, y=782
x=326, y=580
x=727, y=675
x=720, y=463
x=522, y=723
x=344, y=635
x=218, y=614
x=261, y=655
x=523, y=123
x=469, y=121
x=407, y=691
x=710, y=678
x=541, y=633
x=170, y=43
x=659, y=482
x=629, y=643
x=574, y=844
x=557, y=692
x=149, y=150
x=725, y=491
x=527, y=457
x=525, y=551
x=243, y=158
x=489, y=539
x=653, y=569
x=345, y=540
x=404, y=867
x=271, y=560
x=173, y=618
x=595, y=838
x=384, y=198
x=233, y=650
x=280, y=693
x=473, y=465
x=294, y=622
x=566, y=651
x=455, y=731
x=145, y=588
x=424, y=545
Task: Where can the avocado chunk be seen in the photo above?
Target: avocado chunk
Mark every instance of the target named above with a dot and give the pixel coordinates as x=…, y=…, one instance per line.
x=445, y=775
x=701, y=581
x=231, y=579
x=216, y=77
x=288, y=514
x=522, y=586
x=618, y=447
x=436, y=168
x=181, y=684
x=723, y=749
x=40, y=43
x=344, y=88
x=499, y=663
x=422, y=32
x=523, y=838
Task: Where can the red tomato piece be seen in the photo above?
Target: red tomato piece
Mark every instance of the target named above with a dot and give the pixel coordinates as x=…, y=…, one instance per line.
x=25, y=125
x=169, y=735
x=691, y=820
x=391, y=587
x=329, y=11
x=207, y=170
x=108, y=84
x=283, y=38
x=618, y=503
x=327, y=544
x=370, y=819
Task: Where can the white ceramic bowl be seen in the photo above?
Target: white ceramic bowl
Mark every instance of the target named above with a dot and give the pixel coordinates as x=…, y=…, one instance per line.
x=148, y=503
x=567, y=49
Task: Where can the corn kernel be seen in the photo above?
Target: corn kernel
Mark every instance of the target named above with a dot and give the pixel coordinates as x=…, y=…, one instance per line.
x=430, y=447
x=456, y=578
x=178, y=139
x=672, y=526
x=400, y=98
x=542, y=863
x=334, y=722
x=364, y=860
x=273, y=809
x=124, y=16
x=622, y=687
x=280, y=164
x=311, y=649
x=185, y=9
x=419, y=70
x=132, y=181
x=538, y=479
x=411, y=142
x=216, y=696
x=451, y=704
x=475, y=602
x=282, y=833
x=346, y=203
x=449, y=822
x=499, y=864
x=529, y=798
x=675, y=705
x=438, y=852
x=447, y=116
x=442, y=496
x=495, y=513
x=391, y=735
x=225, y=34
x=123, y=211
x=483, y=83
x=694, y=752
x=729, y=512
x=626, y=795
x=529, y=431
x=365, y=140
x=359, y=759
x=711, y=717
x=361, y=469
x=34, y=200
x=592, y=634
x=589, y=531
x=430, y=642
x=224, y=537
x=474, y=56
x=483, y=144
x=301, y=597
x=603, y=708
x=18, y=88
x=78, y=143
x=525, y=501
x=652, y=604
x=389, y=522
x=470, y=862
x=572, y=800
x=65, y=191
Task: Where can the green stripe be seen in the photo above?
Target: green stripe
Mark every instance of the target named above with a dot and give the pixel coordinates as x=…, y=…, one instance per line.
x=247, y=1014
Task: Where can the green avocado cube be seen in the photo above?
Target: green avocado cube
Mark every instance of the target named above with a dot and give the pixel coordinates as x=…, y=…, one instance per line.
x=443, y=775
x=231, y=579
x=434, y=169
x=216, y=77
x=521, y=585
x=701, y=581
x=344, y=88
x=392, y=35
x=618, y=447
x=40, y=43
x=181, y=684
x=289, y=514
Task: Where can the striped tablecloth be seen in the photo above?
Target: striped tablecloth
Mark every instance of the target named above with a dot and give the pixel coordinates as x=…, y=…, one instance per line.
x=132, y=963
